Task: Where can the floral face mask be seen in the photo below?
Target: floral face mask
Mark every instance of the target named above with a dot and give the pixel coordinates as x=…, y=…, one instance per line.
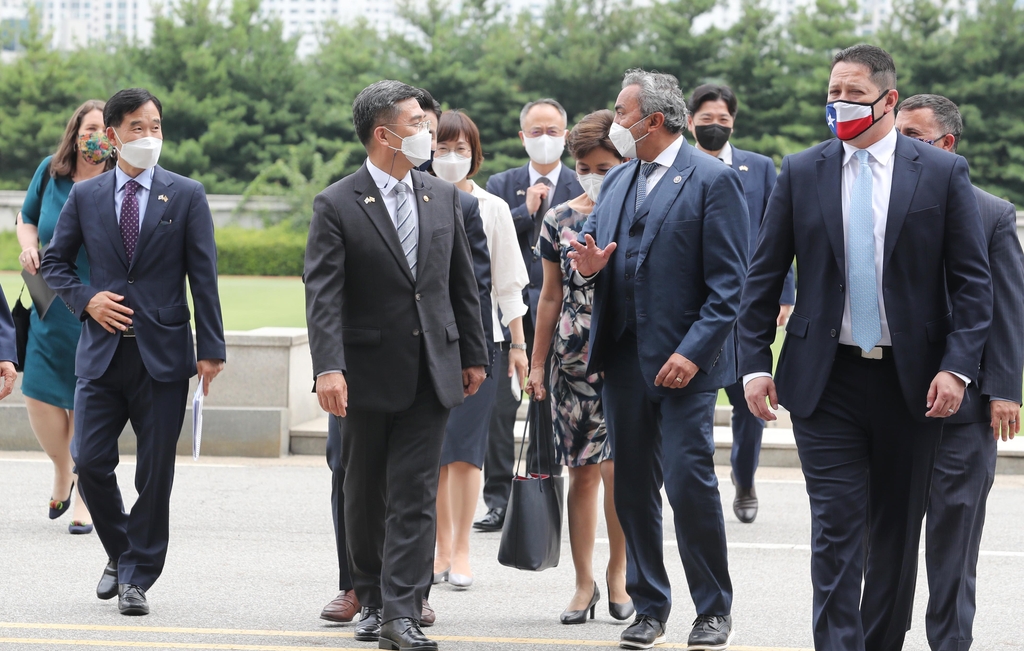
x=95, y=147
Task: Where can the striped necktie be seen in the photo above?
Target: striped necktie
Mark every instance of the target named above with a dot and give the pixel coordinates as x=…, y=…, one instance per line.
x=865, y=323
x=641, y=183
x=408, y=229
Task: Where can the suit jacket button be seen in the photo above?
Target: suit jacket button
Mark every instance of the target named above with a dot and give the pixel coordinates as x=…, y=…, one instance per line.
x=131, y=280
x=419, y=297
x=840, y=287
x=631, y=233
x=416, y=332
x=832, y=333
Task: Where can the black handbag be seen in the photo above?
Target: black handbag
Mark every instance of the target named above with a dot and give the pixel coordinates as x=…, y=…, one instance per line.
x=531, y=538
x=22, y=319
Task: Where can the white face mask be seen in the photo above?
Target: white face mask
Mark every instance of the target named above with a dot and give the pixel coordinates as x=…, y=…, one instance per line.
x=623, y=138
x=591, y=184
x=416, y=147
x=142, y=153
x=544, y=150
x=451, y=167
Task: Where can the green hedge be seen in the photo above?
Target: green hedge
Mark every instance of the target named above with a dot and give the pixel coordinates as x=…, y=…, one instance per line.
x=273, y=251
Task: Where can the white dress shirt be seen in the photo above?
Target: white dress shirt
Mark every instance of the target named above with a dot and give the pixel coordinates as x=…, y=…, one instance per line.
x=508, y=271
x=665, y=160
x=726, y=154
x=142, y=194
x=881, y=159
x=551, y=176
x=387, y=184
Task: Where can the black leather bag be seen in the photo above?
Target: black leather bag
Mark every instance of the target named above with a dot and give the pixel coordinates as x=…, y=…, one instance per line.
x=22, y=319
x=531, y=538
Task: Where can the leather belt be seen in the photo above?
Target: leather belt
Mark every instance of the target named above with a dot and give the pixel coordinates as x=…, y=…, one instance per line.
x=876, y=354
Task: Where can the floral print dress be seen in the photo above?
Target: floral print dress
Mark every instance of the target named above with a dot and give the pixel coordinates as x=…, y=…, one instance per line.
x=581, y=437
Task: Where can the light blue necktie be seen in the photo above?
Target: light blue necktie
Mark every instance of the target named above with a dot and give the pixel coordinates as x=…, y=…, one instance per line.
x=641, y=183
x=408, y=229
x=866, y=325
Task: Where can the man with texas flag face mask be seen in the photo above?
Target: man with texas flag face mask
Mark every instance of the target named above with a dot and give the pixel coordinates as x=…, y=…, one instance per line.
x=892, y=312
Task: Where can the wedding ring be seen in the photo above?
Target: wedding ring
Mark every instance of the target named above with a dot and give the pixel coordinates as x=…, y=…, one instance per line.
x=679, y=379
x=950, y=410
x=1013, y=422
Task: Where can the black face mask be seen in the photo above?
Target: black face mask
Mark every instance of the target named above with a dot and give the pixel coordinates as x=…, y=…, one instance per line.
x=712, y=137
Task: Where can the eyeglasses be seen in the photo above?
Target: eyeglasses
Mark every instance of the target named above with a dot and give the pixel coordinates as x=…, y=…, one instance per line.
x=419, y=126
x=462, y=150
x=537, y=132
x=932, y=141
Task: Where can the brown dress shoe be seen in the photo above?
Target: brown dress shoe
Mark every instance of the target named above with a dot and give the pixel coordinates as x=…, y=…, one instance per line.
x=429, y=616
x=343, y=608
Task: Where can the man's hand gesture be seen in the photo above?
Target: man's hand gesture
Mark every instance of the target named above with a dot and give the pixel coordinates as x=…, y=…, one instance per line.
x=587, y=258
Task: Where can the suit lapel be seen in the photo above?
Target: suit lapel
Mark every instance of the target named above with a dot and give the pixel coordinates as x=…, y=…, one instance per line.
x=104, y=198
x=155, y=207
x=829, y=169
x=371, y=202
x=426, y=207
x=520, y=184
x=563, y=189
x=616, y=205
x=905, y=173
x=665, y=193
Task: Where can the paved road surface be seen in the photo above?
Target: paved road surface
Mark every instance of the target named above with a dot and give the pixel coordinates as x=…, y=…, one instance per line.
x=251, y=564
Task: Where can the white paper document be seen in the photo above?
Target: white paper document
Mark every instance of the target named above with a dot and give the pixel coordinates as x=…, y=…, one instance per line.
x=197, y=419
x=517, y=386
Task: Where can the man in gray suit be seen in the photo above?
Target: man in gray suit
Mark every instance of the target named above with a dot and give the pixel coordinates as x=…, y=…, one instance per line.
x=966, y=462
x=393, y=313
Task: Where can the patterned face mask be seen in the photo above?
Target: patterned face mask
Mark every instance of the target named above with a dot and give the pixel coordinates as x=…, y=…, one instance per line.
x=95, y=147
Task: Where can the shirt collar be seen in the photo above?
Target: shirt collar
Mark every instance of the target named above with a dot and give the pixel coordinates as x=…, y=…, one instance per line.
x=384, y=181
x=667, y=158
x=726, y=154
x=881, y=151
x=145, y=179
x=551, y=176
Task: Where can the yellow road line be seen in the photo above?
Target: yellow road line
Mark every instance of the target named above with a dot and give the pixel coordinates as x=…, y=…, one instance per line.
x=523, y=641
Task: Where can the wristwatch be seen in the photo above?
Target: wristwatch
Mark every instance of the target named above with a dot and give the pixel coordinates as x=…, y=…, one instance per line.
x=518, y=346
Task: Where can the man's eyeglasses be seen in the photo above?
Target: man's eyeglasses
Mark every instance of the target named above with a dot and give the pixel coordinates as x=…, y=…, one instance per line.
x=932, y=141
x=554, y=132
x=419, y=126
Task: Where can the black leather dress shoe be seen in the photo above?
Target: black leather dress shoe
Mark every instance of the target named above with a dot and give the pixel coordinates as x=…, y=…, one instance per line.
x=404, y=634
x=107, y=587
x=132, y=600
x=643, y=633
x=745, y=504
x=710, y=633
x=493, y=521
x=368, y=628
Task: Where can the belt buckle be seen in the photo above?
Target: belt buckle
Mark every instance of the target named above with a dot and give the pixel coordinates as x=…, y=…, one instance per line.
x=130, y=332
x=874, y=353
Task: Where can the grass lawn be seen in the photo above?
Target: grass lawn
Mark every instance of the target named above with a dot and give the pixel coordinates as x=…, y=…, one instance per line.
x=251, y=302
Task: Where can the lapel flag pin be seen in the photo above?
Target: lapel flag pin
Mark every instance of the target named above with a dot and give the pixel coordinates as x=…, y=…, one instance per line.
x=369, y=200
x=162, y=197
x=743, y=168
x=677, y=179
x=426, y=198
x=520, y=193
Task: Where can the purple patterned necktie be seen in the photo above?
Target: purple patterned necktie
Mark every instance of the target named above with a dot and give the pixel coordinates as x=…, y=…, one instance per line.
x=130, y=218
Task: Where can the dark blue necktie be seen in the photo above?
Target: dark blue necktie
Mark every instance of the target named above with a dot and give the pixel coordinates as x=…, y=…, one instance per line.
x=130, y=217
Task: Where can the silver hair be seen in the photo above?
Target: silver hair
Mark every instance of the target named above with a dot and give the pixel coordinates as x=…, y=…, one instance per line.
x=546, y=100
x=659, y=93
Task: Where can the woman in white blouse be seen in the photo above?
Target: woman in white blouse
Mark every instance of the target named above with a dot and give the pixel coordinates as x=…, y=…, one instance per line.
x=456, y=160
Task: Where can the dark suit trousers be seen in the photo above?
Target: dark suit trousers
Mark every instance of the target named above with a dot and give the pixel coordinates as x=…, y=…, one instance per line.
x=867, y=464
x=746, y=437
x=127, y=392
x=665, y=441
x=391, y=462
x=964, y=470
x=338, y=500
x=501, y=454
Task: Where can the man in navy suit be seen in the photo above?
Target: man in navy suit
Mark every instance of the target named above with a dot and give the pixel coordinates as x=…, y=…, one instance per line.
x=892, y=313
x=529, y=191
x=144, y=229
x=966, y=463
x=8, y=348
x=712, y=117
x=666, y=246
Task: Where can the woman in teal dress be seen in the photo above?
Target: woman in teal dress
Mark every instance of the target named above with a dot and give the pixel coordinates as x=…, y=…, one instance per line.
x=48, y=379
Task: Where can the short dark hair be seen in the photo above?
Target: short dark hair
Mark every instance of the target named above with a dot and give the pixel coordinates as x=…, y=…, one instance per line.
x=591, y=133
x=877, y=61
x=546, y=100
x=128, y=101
x=375, y=105
x=454, y=123
x=945, y=111
x=713, y=93
x=429, y=104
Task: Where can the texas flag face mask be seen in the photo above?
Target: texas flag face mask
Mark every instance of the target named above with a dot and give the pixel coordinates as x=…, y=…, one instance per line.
x=847, y=120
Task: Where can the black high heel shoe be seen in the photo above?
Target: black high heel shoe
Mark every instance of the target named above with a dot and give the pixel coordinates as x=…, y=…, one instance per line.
x=61, y=506
x=580, y=616
x=621, y=612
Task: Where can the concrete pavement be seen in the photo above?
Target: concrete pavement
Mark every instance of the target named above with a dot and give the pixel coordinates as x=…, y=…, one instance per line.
x=252, y=562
